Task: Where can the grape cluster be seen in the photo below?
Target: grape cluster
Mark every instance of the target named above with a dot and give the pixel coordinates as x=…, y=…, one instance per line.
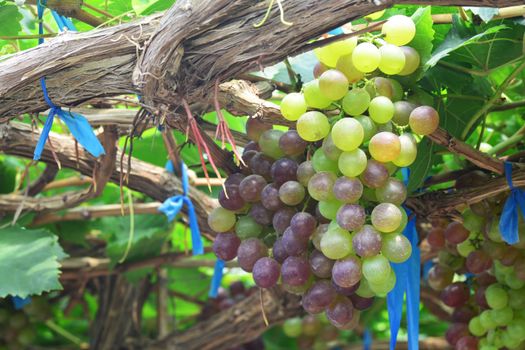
x=481, y=277
x=312, y=332
x=325, y=196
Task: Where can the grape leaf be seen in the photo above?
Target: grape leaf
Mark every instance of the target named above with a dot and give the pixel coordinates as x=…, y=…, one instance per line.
x=147, y=7
x=29, y=261
x=10, y=20
x=422, y=42
x=421, y=167
x=485, y=13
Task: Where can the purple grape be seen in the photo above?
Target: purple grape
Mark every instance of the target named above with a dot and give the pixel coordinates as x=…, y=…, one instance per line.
x=270, y=198
x=282, y=218
x=351, y=217
x=305, y=171
x=361, y=303
x=225, y=246
x=367, y=241
x=249, y=252
x=261, y=164
x=321, y=266
x=292, y=144
x=233, y=201
x=255, y=127
x=247, y=158
x=455, y=295
x=375, y=174
x=260, y=214
x=295, y=271
x=292, y=193
x=234, y=179
x=251, y=187
x=340, y=312
x=318, y=297
x=284, y=169
x=348, y=189
x=347, y=272
x=251, y=146
x=346, y=291
x=266, y=272
x=293, y=244
x=278, y=251
x=303, y=225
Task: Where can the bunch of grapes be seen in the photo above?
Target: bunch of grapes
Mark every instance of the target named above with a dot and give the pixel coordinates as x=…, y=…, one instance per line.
x=318, y=208
x=481, y=277
x=312, y=332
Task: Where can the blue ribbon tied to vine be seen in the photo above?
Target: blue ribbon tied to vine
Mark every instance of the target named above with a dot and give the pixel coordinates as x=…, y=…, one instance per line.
x=407, y=282
x=508, y=224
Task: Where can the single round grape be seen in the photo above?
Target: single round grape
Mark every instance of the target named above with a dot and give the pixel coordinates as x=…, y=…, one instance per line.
x=284, y=169
x=367, y=242
x=330, y=54
x=464, y=314
x=347, y=272
x=381, y=109
x=261, y=165
x=221, y=220
x=282, y=218
x=321, y=266
x=436, y=238
x=292, y=327
x=366, y=57
x=260, y=214
x=376, y=269
x=352, y=163
x=295, y=271
x=397, y=90
x=497, y=297
x=293, y=106
x=380, y=86
x=291, y=193
x=294, y=244
x=340, y=312
x=348, y=189
x=408, y=151
x=396, y=248
x=369, y=127
x=322, y=163
x=393, y=191
x=351, y=217
x=412, y=60
x=478, y=261
x=467, y=343
x=399, y=30
x=278, y=251
x=255, y=127
x=385, y=147
x=456, y=233
x=364, y=290
x=270, y=197
x=251, y=187
x=292, y=144
x=375, y=174
x=348, y=292
x=392, y=59
x=424, y=120
x=439, y=277
x=386, y=217
x=269, y=143
x=266, y=272
x=314, y=98
x=318, y=297
x=303, y=225
x=246, y=227
x=361, y=303
x=475, y=327
x=330, y=150
x=347, y=134
x=234, y=179
x=230, y=198
x=318, y=235
x=356, y=102
x=225, y=246
x=456, y=294
x=249, y=252
x=305, y=171
x=320, y=186
x=313, y=126
x=333, y=84
x=346, y=66
x=329, y=209
x=503, y=317
x=319, y=69
x=336, y=243
x=455, y=332
x=402, y=110
x=381, y=289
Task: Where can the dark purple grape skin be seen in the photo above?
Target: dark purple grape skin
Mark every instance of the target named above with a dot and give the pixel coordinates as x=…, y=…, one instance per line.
x=295, y=271
x=455, y=295
x=249, y=252
x=321, y=265
x=234, y=179
x=478, y=261
x=303, y=225
x=251, y=146
x=225, y=246
x=351, y=217
x=375, y=174
x=347, y=272
x=340, y=312
x=367, y=241
x=348, y=190
x=270, y=198
x=346, y=291
x=266, y=272
x=278, y=251
x=361, y=303
x=304, y=172
x=261, y=164
x=251, y=187
x=260, y=214
x=282, y=218
x=247, y=157
x=292, y=144
x=318, y=297
x=464, y=314
x=294, y=245
x=233, y=201
x=283, y=170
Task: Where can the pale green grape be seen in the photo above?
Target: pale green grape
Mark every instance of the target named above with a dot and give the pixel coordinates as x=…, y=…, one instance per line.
x=336, y=243
x=269, y=143
x=246, y=227
x=369, y=127
x=347, y=134
x=330, y=54
x=293, y=106
x=399, y=30
x=486, y=320
x=381, y=109
x=376, y=269
x=333, y=84
x=364, y=290
x=392, y=59
x=329, y=209
x=465, y=248
x=313, y=96
x=221, y=220
x=412, y=60
x=383, y=288
x=385, y=147
x=503, y=317
x=292, y=327
x=475, y=327
x=346, y=66
x=408, y=151
x=396, y=247
x=386, y=217
x=496, y=296
x=356, y=102
x=352, y=163
x=313, y=126
x=366, y=57
x=322, y=163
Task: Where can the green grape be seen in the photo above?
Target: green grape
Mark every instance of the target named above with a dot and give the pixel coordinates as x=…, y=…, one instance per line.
x=381, y=109
x=221, y=220
x=412, y=60
x=385, y=147
x=356, y=102
x=379, y=86
x=366, y=57
x=396, y=247
x=513, y=281
x=246, y=228
x=330, y=149
x=494, y=234
x=388, y=127
x=330, y=54
x=503, y=317
x=382, y=289
x=322, y=163
x=392, y=59
x=517, y=327
x=369, y=127
x=352, y=163
x=391, y=167
x=399, y=30
x=475, y=327
x=269, y=143
x=292, y=327
x=293, y=106
x=496, y=296
x=347, y=134
x=333, y=84
x=329, y=209
x=313, y=96
x=473, y=222
x=386, y=217
x=397, y=90
x=376, y=269
x=487, y=321
x=364, y=290
x=408, y=151
x=404, y=220
x=402, y=110
x=517, y=299
x=465, y=248
x=346, y=66
x=423, y=120
x=336, y=243
x=313, y=126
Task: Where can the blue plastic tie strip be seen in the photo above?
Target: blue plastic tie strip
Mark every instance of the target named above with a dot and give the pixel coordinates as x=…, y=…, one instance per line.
x=19, y=302
x=76, y=123
x=173, y=205
x=216, y=279
x=408, y=279
x=367, y=339
x=508, y=223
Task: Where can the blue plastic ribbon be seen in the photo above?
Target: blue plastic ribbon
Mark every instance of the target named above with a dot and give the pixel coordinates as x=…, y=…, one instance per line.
x=19, y=302
x=76, y=123
x=407, y=282
x=173, y=205
x=367, y=339
x=216, y=279
x=508, y=223
x=337, y=31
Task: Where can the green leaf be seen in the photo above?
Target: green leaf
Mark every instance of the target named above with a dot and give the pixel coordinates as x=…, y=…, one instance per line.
x=422, y=42
x=147, y=7
x=421, y=167
x=29, y=261
x=10, y=20
x=485, y=13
